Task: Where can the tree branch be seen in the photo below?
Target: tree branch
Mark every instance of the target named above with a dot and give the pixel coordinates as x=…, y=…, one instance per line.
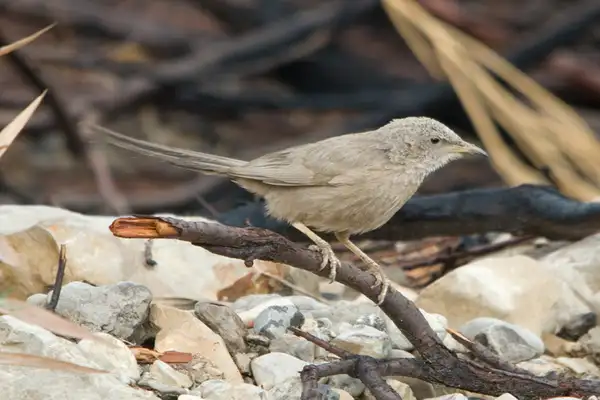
x=525, y=209
x=439, y=364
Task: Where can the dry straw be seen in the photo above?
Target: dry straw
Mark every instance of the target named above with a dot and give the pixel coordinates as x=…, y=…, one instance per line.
x=545, y=128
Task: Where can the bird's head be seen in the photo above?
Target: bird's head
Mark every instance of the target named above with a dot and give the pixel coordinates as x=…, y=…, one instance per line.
x=426, y=143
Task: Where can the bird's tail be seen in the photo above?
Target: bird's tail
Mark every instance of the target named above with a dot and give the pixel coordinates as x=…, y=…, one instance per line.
x=187, y=159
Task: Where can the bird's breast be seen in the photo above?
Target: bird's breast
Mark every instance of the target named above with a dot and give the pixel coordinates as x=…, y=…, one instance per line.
x=355, y=208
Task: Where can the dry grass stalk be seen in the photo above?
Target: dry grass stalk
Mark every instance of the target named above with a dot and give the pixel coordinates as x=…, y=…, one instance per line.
x=538, y=125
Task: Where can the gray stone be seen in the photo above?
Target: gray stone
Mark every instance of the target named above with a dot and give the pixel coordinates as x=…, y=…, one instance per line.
x=307, y=304
x=166, y=391
x=453, y=396
x=202, y=369
x=517, y=289
x=116, y=358
x=271, y=369
x=294, y=346
x=347, y=311
x=224, y=322
x=373, y=320
x=223, y=390
x=399, y=387
x=543, y=366
x=257, y=343
x=364, y=340
x=291, y=389
x=115, y=309
x=590, y=342
x=252, y=300
x=38, y=299
x=242, y=360
x=43, y=384
x=513, y=343
x=273, y=321
x=165, y=379
x=437, y=322
x=581, y=366
x=345, y=382
x=578, y=326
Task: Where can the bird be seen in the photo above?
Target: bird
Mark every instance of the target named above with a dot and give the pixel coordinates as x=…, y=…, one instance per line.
x=345, y=185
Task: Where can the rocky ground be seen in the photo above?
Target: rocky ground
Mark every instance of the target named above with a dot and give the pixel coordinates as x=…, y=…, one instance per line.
x=193, y=325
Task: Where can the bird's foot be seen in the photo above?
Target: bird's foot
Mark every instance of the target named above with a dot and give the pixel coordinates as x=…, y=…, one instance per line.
x=330, y=258
x=380, y=280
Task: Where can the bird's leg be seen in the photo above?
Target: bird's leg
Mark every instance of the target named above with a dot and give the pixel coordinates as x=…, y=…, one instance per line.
x=324, y=247
x=380, y=278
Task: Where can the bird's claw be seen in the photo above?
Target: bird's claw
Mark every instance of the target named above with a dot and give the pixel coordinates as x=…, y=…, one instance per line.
x=380, y=280
x=329, y=258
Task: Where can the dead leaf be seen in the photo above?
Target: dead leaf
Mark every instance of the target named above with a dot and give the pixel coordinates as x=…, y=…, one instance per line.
x=29, y=360
x=251, y=283
x=48, y=320
x=22, y=42
x=10, y=131
x=144, y=355
x=175, y=357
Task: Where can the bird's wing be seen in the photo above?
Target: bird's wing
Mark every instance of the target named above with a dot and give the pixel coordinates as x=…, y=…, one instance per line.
x=330, y=162
x=282, y=168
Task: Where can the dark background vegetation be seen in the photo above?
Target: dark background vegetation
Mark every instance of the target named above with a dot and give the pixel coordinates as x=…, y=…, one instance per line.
x=243, y=77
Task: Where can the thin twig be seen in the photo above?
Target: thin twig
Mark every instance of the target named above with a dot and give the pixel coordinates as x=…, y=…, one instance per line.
x=60, y=274
x=321, y=343
x=450, y=259
x=213, y=211
x=148, y=259
x=294, y=287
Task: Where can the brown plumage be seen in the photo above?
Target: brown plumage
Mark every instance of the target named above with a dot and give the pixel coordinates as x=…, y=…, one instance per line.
x=346, y=185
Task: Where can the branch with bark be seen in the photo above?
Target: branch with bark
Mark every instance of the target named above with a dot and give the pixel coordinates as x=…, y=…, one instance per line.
x=437, y=363
x=525, y=209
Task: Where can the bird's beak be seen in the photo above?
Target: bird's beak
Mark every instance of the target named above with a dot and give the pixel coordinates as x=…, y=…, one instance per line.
x=468, y=148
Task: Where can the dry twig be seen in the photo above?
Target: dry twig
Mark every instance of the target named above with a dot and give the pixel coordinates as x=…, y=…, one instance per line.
x=60, y=274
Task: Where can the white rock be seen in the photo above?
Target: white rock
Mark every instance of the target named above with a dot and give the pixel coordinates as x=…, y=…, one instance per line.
x=29, y=243
x=289, y=389
x=181, y=331
x=437, y=322
x=251, y=314
x=343, y=394
x=222, y=390
x=506, y=396
x=453, y=396
x=164, y=373
x=353, y=386
x=399, y=387
x=578, y=265
x=402, y=389
x=189, y=397
x=579, y=365
x=116, y=358
x=542, y=366
x=364, y=340
x=517, y=289
x=44, y=384
x=271, y=369
x=202, y=369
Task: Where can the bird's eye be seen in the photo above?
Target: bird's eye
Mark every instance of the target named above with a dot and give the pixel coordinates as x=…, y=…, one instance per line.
x=435, y=140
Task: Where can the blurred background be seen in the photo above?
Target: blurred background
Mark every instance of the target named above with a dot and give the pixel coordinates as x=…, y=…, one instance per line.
x=243, y=77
